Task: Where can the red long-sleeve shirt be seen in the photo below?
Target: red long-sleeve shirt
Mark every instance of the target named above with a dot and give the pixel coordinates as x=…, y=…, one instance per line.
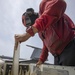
x=54, y=27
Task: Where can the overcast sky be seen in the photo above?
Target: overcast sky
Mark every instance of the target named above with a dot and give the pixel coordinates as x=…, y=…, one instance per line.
x=10, y=24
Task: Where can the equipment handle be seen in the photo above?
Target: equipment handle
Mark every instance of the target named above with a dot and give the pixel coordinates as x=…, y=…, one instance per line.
x=16, y=55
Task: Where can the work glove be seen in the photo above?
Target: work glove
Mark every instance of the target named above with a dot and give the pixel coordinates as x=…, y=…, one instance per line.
x=39, y=63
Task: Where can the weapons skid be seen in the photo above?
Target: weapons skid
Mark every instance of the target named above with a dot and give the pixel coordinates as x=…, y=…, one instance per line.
x=15, y=66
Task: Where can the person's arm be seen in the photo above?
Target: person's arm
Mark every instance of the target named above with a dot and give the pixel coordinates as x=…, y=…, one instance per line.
x=51, y=14
x=43, y=56
x=23, y=37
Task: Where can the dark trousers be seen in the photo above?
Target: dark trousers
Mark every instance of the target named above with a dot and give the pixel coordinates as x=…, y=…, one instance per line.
x=67, y=57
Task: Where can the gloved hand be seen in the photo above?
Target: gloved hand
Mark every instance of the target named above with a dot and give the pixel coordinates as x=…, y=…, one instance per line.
x=21, y=38
x=38, y=63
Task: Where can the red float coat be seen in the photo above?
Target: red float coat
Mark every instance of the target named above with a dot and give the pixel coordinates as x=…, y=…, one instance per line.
x=54, y=27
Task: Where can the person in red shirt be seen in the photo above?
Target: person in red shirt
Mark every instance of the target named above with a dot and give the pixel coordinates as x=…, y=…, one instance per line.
x=55, y=29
